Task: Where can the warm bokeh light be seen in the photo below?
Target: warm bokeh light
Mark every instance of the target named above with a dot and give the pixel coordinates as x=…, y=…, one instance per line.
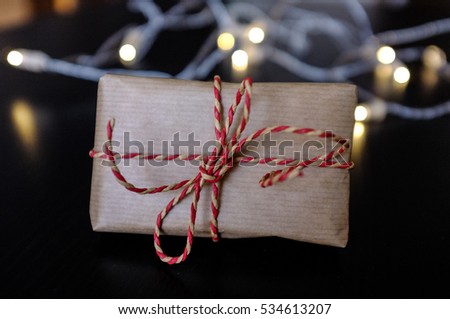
x=429, y=79
x=239, y=59
x=14, y=13
x=24, y=121
x=256, y=35
x=127, y=52
x=358, y=130
x=433, y=57
x=225, y=41
x=359, y=138
x=383, y=72
x=65, y=6
x=386, y=55
x=361, y=113
x=15, y=58
x=401, y=75
x=383, y=79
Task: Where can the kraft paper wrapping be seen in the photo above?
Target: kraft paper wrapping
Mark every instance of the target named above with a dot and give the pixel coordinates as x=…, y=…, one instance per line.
x=312, y=208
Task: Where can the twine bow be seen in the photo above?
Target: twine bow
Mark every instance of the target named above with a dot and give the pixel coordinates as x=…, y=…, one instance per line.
x=213, y=168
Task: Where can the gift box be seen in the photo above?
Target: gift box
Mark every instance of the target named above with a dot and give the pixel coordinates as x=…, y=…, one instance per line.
x=171, y=117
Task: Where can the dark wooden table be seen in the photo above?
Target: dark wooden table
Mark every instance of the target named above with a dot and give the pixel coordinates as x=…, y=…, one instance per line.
x=399, y=211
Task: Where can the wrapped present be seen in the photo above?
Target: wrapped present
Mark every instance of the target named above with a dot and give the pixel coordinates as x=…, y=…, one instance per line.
x=169, y=155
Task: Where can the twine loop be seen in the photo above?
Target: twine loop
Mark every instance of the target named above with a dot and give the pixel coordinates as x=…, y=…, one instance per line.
x=213, y=168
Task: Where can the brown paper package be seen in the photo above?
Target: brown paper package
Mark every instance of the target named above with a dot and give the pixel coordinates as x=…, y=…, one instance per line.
x=312, y=208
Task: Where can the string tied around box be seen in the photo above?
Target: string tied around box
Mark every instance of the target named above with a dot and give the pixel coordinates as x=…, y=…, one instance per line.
x=213, y=167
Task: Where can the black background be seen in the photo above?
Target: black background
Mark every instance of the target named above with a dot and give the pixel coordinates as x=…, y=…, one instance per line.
x=399, y=209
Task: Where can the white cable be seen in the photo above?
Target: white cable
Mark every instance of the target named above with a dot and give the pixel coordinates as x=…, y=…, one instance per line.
x=198, y=20
x=221, y=14
x=294, y=39
x=315, y=73
x=337, y=29
x=94, y=74
x=414, y=34
x=412, y=113
x=360, y=17
x=143, y=37
x=401, y=110
x=37, y=61
x=147, y=7
x=190, y=71
x=107, y=52
x=208, y=64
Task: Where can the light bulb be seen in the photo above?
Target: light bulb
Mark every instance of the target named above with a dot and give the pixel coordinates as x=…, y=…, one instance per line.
x=239, y=60
x=361, y=113
x=256, y=35
x=386, y=55
x=225, y=41
x=15, y=58
x=401, y=75
x=127, y=52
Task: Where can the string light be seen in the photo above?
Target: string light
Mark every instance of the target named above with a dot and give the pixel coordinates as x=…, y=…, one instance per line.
x=386, y=55
x=225, y=41
x=15, y=58
x=127, y=53
x=35, y=61
x=292, y=25
x=401, y=75
x=360, y=113
x=256, y=35
x=374, y=110
x=239, y=60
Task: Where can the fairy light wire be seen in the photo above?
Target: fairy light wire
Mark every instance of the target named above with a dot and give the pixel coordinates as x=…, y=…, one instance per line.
x=287, y=29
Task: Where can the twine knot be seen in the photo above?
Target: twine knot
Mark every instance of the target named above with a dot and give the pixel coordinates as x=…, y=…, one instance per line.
x=213, y=168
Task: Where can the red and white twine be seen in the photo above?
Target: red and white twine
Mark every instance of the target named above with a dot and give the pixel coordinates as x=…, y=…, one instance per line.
x=212, y=168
